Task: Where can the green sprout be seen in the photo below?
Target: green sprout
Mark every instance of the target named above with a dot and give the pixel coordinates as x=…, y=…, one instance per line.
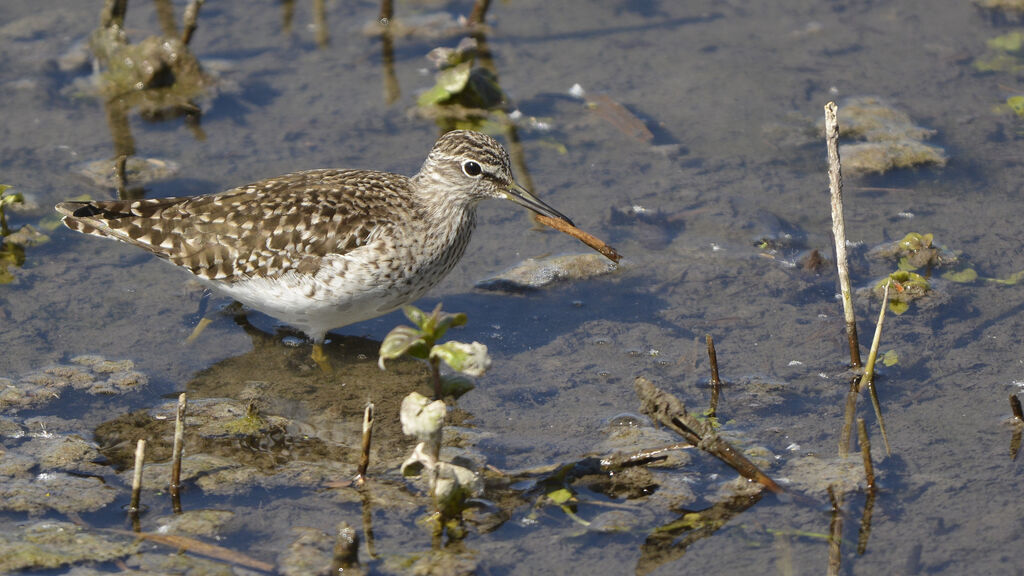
x=450, y=484
x=420, y=341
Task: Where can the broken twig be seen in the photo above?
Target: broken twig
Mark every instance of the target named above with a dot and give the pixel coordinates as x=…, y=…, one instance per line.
x=672, y=413
x=588, y=239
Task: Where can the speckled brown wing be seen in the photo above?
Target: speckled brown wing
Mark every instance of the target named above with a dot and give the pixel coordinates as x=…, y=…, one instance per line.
x=265, y=229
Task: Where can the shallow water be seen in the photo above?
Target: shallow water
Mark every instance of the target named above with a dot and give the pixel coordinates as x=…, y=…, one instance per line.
x=732, y=92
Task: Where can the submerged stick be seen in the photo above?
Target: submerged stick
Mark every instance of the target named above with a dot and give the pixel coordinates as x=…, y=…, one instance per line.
x=865, y=523
x=835, y=185
x=865, y=450
x=193, y=546
x=1018, y=426
x=716, y=384
x=588, y=239
x=835, y=533
x=869, y=371
x=847, y=430
x=140, y=455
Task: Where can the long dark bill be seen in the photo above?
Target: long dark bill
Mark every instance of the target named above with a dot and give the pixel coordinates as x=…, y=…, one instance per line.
x=523, y=197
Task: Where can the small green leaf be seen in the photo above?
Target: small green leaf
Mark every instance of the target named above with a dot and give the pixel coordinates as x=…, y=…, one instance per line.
x=898, y=307
x=454, y=79
x=1011, y=42
x=471, y=359
x=450, y=81
x=435, y=95
x=415, y=315
x=1016, y=103
x=916, y=241
x=447, y=321
x=561, y=495
x=962, y=276
x=890, y=358
x=402, y=340
x=1010, y=280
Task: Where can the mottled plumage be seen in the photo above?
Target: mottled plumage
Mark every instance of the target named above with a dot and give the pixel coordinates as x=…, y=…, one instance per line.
x=323, y=248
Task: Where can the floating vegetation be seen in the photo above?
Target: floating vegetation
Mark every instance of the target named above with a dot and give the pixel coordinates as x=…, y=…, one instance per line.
x=49, y=544
x=7, y=199
x=536, y=273
x=430, y=25
x=1006, y=6
x=48, y=472
x=13, y=242
x=464, y=93
x=914, y=251
x=1005, y=54
x=906, y=287
x=891, y=140
x=1016, y=105
x=157, y=76
x=138, y=170
x=91, y=374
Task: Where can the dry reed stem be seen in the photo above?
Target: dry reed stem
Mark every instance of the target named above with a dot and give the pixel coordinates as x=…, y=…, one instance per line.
x=179, y=444
x=835, y=185
x=140, y=455
x=869, y=371
x=364, y=458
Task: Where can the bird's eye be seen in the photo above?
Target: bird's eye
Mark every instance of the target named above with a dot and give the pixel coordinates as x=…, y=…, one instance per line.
x=472, y=169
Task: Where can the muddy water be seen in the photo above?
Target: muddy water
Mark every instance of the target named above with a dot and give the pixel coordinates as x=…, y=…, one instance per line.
x=710, y=215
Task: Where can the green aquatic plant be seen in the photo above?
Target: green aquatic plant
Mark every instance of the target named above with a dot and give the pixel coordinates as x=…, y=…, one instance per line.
x=906, y=287
x=5, y=201
x=420, y=341
x=450, y=484
x=1016, y=103
x=1005, y=54
x=11, y=253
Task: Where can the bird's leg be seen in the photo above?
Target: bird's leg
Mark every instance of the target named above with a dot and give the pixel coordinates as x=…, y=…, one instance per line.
x=204, y=320
x=321, y=359
x=203, y=323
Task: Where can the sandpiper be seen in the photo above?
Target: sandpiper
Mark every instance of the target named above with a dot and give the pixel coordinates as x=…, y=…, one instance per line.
x=322, y=249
